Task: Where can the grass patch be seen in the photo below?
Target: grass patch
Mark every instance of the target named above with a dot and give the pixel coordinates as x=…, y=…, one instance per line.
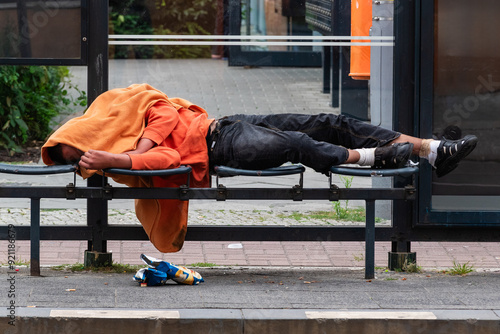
x=203, y=265
x=460, y=269
x=18, y=262
x=340, y=212
x=117, y=267
x=60, y=267
x=352, y=214
x=22, y=262
x=359, y=258
x=114, y=268
x=411, y=267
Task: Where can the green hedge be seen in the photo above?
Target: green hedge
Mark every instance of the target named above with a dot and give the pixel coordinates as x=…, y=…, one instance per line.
x=161, y=17
x=30, y=97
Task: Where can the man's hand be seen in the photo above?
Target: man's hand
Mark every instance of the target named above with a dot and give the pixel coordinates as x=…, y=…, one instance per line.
x=101, y=159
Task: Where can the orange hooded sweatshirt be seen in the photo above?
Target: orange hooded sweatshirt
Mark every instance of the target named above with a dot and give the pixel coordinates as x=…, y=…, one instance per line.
x=116, y=121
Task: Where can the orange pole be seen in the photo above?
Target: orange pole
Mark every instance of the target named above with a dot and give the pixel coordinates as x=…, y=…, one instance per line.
x=361, y=22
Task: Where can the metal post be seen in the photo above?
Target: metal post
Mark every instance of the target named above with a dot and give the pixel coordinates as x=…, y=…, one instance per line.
x=404, y=103
x=338, y=29
x=97, y=83
x=327, y=68
x=401, y=246
x=336, y=70
x=336, y=76
x=97, y=70
x=370, y=240
x=23, y=30
x=248, y=17
x=35, y=237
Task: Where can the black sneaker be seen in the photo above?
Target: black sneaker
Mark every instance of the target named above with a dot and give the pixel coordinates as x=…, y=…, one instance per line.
x=450, y=152
x=393, y=156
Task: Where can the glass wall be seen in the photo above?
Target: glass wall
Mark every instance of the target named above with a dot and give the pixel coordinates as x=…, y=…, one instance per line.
x=186, y=48
x=467, y=100
x=40, y=29
x=274, y=18
x=257, y=76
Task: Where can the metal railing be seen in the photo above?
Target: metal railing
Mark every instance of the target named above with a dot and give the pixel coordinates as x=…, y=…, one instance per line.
x=102, y=232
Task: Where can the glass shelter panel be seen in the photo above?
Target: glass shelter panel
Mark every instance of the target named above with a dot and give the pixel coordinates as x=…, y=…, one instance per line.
x=275, y=18
x=467, y=100
x=41, y=29
x=198, y=50
x=264, y=19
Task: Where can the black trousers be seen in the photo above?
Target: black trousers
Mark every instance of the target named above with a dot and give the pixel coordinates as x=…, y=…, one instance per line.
x=317, y=141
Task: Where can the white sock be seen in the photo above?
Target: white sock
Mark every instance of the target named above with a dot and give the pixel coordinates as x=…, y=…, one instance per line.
x=433, y=151
x=366, y=156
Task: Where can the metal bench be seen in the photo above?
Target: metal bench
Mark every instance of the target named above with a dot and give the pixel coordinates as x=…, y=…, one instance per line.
x=369, y=195
x=220, y=193
x=36, y=193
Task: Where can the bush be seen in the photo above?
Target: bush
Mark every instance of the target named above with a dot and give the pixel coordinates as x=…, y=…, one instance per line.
x=160, y=17
x=131, y=24
x=180, y=51
x=184, y=17
x=30, y=96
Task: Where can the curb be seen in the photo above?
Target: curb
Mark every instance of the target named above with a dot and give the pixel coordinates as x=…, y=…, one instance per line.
x=250, y=321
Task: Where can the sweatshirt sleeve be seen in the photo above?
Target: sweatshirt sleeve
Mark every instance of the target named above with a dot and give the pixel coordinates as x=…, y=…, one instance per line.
x=161, y=120
x=158, y=157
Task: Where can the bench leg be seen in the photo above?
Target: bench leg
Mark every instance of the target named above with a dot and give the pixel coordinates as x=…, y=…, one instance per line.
x=327, y=68
x=35, y=237
x=370, y=240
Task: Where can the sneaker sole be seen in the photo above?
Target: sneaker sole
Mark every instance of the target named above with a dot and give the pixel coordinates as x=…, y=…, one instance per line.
x=451, y=163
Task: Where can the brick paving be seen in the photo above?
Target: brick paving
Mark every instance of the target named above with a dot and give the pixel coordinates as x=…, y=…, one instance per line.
x=430, y=255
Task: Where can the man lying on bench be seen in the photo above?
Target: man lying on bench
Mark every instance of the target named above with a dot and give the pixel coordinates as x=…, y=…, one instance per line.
x=140, y=127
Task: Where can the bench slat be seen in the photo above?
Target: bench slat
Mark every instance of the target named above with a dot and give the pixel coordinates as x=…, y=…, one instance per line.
x=360, y=171
x=158, y=172
x=36, y=169
x=224, y=171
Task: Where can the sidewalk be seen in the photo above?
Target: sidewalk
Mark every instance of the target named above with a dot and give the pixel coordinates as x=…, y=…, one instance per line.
x=431, y=256
x=253, y=300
